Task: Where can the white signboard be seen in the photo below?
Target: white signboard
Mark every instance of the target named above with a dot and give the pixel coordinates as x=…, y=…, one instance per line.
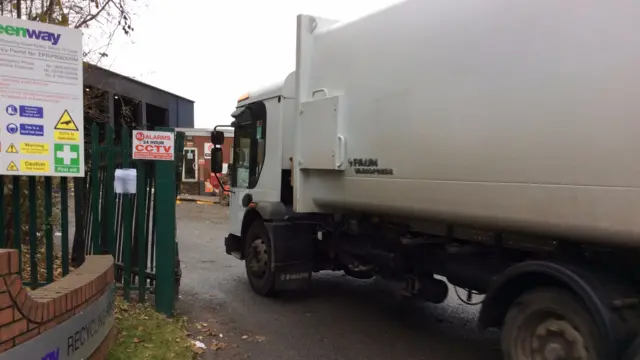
x=41, y=132
x=207, y=150
x=153, y=145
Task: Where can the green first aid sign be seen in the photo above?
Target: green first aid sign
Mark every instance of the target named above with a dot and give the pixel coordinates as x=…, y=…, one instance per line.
x=66, y=158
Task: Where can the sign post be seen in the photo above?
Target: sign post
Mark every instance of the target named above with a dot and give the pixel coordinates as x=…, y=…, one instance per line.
x=207, y=150
x=153, y=145
x=42, y=99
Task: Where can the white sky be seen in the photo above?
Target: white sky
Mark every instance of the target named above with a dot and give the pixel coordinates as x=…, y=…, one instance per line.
x=214, y=51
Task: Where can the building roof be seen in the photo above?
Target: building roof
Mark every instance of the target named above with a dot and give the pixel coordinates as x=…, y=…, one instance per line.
x=117, y=75
x=204, y=131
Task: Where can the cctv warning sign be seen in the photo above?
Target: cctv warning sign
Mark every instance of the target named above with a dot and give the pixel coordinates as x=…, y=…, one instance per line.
x=153, y=145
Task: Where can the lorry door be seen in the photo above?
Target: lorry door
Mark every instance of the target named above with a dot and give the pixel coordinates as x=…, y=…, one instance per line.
x=248, y=159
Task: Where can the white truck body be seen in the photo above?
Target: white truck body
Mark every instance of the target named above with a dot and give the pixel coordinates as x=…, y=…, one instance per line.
x=462, y=139
x=521, y=115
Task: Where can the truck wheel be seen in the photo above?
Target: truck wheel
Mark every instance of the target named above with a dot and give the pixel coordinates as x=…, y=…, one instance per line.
x=633, y=353
x=258, y=259
x=549, y=323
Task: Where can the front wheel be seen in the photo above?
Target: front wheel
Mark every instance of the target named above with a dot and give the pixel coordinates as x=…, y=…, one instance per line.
x=258, y=259
x=550, y=324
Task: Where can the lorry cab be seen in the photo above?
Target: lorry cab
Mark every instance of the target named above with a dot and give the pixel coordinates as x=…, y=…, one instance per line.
x=260, y=169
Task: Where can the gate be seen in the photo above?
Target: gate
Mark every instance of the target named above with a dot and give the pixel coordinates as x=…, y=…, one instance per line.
x=138, y=229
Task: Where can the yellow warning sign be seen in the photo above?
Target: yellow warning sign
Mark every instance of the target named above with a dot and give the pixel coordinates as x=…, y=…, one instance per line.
x=12, y=167
x=34, y=166
x=66, y=122
x=12, y=149
x=34, y=148
x=65, y=135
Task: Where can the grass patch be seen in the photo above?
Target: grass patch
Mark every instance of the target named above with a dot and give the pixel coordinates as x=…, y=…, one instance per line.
x=145, y=334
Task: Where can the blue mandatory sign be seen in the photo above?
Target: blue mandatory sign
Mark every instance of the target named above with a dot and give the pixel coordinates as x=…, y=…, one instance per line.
x=35, y=112
x=11, y=110
x=12, y=128
x=31, y=129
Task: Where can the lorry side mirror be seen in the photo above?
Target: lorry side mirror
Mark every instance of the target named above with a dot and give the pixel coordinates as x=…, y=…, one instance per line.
x=216, y=160
x=217, y=138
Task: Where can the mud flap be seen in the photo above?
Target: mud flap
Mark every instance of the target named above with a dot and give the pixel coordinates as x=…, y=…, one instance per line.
x=291, y=255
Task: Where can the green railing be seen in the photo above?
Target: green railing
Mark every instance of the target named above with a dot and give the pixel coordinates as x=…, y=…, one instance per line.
x=128, y=226
x=45, y=201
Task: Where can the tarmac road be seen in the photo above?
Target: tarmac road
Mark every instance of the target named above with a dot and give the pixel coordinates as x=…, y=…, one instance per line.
x=341, y=318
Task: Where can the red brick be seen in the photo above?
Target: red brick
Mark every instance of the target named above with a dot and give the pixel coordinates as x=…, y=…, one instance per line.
x=48, y=326
x=51, y=310
x=26, y=336
x=4, y=262
x=6, y=346
x=13, y=330
x=32, y=326
x=6, y=316
x=17, y=315
x=5, y=300
x=14, y=284
x=14, y=263
x=21, y=299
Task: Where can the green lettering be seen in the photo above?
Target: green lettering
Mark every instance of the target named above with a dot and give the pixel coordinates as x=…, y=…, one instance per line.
x=21, y=32
x=9, y=30
x=1, y=29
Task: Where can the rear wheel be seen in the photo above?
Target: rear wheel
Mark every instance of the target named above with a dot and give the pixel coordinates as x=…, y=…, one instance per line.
x=550, y=324
x=633, y=353
x=258, y=259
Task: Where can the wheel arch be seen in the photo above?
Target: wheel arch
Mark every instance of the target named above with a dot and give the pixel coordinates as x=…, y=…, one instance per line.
x=533, y=274
x=266, y=211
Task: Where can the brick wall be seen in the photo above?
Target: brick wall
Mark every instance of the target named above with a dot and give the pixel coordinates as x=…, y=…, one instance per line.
x=24, y=315
x=204, y=171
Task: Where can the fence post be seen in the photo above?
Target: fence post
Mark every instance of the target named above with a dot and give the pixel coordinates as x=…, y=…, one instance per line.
x=127, y=216
x=165, y=216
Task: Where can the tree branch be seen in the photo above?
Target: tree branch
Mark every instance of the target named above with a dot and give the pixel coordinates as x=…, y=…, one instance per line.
x=92, y=17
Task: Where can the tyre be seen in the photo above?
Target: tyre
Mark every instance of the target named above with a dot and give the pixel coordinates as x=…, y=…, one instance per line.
x=633, y=353
x=258, y=259
x=550, y=323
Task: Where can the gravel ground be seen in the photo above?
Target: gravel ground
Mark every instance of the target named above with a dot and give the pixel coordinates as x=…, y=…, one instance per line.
x=341, y=318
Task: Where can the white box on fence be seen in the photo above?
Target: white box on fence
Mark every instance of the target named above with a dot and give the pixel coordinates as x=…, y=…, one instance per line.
x=125, y=181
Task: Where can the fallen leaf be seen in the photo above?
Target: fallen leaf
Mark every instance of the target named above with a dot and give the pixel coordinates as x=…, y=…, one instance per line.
x=260, y=338
x=136, y=340
x=218, y=345
x=245, y=336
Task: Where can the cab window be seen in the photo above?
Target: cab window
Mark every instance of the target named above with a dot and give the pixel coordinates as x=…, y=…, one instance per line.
x=249, y=145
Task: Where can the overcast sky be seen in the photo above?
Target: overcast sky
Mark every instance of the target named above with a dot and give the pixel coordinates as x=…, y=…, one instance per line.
x=214, y=51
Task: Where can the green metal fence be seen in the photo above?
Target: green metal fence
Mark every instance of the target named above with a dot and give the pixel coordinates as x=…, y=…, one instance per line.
x=46, y=201
x=139, y=229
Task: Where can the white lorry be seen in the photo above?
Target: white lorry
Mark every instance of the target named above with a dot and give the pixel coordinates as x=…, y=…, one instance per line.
x=493, y=143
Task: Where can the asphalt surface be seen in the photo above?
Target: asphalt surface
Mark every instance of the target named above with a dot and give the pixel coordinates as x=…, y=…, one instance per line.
x=340, y=318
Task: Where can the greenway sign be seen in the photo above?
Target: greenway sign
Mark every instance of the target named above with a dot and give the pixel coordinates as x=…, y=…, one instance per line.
x=42, y=128
x=48, y=36
x=74, y=339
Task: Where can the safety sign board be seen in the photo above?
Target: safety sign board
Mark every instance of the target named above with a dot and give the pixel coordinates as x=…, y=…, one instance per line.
x=12, y=128
x=44, y=108
x=35, y=112
x=66, y=158
x=66, y=122
x=34, y=166
x=32, y=129
x=34, y=148
x=207, y=150
x=12, y=167
x=153, y=145
x=11, y=149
